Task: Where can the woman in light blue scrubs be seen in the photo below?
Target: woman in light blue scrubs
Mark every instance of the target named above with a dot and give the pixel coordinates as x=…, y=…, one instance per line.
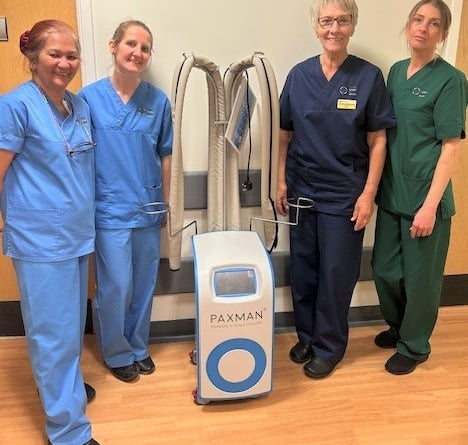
x=132, y=126
x=47, y=203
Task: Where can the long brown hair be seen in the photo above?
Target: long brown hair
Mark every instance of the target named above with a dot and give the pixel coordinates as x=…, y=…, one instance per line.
x=120, y=31
x=445, y=14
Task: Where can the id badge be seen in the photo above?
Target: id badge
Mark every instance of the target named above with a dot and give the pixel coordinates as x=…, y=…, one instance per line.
x=346, y=104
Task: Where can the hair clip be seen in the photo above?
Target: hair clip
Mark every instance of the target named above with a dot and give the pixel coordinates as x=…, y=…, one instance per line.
x=24, y=41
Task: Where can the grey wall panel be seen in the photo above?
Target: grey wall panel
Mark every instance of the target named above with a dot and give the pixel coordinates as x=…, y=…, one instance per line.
x=181, y=281
x=454, y=292
x=195, y=189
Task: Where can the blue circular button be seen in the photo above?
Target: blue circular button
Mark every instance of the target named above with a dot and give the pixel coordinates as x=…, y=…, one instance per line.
x=212, y=364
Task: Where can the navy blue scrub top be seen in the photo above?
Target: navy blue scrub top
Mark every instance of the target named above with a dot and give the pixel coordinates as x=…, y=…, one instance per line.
x=328, y=155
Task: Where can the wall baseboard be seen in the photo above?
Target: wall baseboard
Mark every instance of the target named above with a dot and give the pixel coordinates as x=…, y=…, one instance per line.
x=454, y=292
x=184, y=330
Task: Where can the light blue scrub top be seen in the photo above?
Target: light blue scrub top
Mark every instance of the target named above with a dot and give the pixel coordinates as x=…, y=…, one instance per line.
x=47, y=201
x=131, y=139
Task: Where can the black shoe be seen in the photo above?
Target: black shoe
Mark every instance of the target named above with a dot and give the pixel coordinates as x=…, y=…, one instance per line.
x=400, y=364
x=146, y=366
x=386, y=340
x=301, y=352
x=90, y=392
x=90, y=442
x=127, y=373
x=317, y=368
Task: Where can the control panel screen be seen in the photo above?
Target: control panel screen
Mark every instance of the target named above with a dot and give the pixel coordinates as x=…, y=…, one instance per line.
x=235, y=282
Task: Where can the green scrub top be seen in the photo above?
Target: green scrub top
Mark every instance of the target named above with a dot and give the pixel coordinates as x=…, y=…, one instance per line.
x=430, y=106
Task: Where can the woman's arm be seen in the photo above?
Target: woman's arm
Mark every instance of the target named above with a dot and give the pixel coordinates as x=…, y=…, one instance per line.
x=166, y=180
x=6, y=157
x=424, y=219
x=364, y=207
x=281, y=202
x=166, y=176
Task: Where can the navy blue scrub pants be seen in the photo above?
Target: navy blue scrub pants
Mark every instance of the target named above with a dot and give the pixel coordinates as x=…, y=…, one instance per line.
x=325, y=265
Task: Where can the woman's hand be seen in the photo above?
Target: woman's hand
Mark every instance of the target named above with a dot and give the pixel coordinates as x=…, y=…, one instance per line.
x=363, y=210
x=281, y=203
x=423, y=222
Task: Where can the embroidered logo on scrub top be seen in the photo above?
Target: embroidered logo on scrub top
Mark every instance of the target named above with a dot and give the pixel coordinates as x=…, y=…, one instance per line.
x=347, y=104
x=418, y=92
x=348, y=91
x=145, y=111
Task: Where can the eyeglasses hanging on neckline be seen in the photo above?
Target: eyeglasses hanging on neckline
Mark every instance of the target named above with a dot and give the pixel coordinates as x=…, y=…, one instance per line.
x=76, y=149
x=82, y=147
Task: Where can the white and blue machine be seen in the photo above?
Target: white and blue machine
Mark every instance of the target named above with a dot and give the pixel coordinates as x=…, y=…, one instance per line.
x=234, y=283
x=235, y=316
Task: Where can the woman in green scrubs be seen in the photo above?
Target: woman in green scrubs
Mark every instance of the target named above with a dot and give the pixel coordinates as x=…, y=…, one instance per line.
x=415, y=195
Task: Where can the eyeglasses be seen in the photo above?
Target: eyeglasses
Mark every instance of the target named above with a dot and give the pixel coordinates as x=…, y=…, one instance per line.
x=80, y=149
x=342, y=20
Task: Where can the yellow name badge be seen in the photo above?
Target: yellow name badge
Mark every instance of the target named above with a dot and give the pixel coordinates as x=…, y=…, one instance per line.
x=346, y=104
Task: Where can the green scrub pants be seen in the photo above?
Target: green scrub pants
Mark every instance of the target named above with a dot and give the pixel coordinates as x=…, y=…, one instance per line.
x=408, y=275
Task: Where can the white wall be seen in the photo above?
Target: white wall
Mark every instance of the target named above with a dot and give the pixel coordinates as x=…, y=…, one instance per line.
x=226, y=31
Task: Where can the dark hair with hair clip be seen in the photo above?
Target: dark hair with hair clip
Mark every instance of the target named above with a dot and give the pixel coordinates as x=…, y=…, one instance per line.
x=24, y=42
x=32, y=42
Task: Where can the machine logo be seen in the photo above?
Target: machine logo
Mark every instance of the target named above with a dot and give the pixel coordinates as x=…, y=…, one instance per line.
x=237, y=317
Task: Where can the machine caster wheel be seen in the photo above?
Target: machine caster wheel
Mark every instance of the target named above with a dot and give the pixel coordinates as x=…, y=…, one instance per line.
x=199, y=400
x=193, y=356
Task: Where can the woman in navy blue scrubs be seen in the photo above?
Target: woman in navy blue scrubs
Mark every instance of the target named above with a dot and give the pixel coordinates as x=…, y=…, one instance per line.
x=334, y=113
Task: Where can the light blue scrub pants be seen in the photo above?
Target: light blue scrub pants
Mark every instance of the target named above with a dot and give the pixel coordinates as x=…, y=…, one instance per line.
x=53, y=305
x=127, y=262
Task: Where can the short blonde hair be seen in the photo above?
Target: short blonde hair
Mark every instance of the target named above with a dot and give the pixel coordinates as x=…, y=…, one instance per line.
x=318, y=5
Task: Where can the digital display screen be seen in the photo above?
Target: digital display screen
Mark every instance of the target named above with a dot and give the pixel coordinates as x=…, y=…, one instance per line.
x=235, y=282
